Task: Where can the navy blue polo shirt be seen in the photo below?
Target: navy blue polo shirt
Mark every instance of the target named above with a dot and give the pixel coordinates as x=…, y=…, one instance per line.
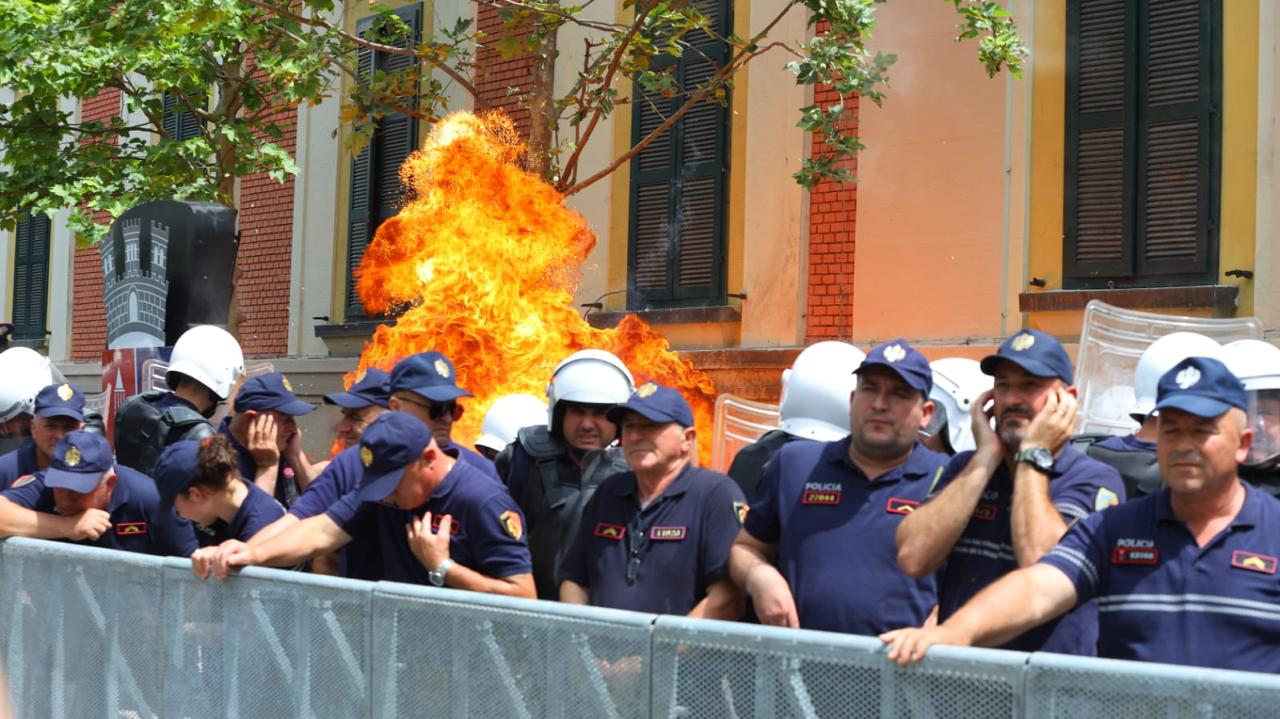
x=487, y=527
x=662, y=558
x=18, y=463
x=137, y=522
x=1127, y=443
x=1163, y=598
x=358, y=559
x=1078, y=486
x=833, y=530
x=257, y=511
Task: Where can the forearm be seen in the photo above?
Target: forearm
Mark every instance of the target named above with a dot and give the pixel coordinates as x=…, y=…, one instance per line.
x=747, y=555
x=273, y=529
x=1035, y=524
x=574, y=593
x=300, y=542
x=18, y=521
x=266, y=478
x=516, y=585
x=926, y=536
x=304, y=473
x=723, y=601
x=1015, y=603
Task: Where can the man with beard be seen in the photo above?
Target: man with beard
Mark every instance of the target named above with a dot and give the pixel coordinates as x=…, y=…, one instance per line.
x=1006, y=504
x=817, y=501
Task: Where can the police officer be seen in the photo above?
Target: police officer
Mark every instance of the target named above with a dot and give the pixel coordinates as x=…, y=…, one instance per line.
x=1134, y=455
x=506, y=417
x=57, y=409
x=463, y=530
x=656, y=539
x=85, y=497
x=819, y=499
x=553, y=470
x=957, y=383
x=205, y=364
x=1257, y=365
x=364, y=402
x=265, y=435
x=1186, y=575
x=201, y=481
x=814, y=406
x=1008, y=502
x=24, y=373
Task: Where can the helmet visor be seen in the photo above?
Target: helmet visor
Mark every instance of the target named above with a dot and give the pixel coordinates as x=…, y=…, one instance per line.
x=1264, y=418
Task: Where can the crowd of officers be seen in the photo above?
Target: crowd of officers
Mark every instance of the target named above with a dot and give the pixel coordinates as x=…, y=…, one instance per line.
x=924, y=504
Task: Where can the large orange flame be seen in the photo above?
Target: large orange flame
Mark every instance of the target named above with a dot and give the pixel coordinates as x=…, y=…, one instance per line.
x=485, y=257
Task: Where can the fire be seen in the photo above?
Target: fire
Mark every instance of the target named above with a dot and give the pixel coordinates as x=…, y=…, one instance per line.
x=484, y=259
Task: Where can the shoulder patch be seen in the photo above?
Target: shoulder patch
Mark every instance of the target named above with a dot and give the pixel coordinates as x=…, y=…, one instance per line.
x=22, y=481
x=511, y=524
x=740, y=510
x=1104, y=498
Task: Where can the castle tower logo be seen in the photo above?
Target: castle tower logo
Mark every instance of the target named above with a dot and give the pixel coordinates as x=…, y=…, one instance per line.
x=135, y=286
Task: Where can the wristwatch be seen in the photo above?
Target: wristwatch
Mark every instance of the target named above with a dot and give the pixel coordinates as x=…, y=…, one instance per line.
x=436, y=576
x=1039, y=457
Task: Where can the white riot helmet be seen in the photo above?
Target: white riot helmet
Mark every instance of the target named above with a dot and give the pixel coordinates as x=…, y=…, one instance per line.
x=1257, y=365
x=587, y=377
x=816, y=389
x=1160, y=357
x=208, y=355
x=957, y=384
x=23, y=373
x=507, y=416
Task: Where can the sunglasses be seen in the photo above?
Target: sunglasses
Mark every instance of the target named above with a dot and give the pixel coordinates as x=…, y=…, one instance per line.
x=434, y=411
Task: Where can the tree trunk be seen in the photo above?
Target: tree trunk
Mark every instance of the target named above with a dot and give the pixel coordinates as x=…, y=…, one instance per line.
x=542, y=119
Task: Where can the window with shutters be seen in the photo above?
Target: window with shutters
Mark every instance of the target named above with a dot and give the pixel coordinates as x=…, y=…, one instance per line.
x=676, y=247
x=179, y=123
x=31, y=277
x=1143, y=137
x=376, y=191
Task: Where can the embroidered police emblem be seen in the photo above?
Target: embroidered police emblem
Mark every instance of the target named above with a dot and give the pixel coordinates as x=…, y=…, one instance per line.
x=366, y=456
x=646, y=390
x=1023, y=342
x=285, y=381
x=1104, y=498
x=22, y=481
x=71, y=457
x=511, y=524
x=442, y=368
x=895, y=353
x=1187, y=377
x=740, y=510
x=65, y=393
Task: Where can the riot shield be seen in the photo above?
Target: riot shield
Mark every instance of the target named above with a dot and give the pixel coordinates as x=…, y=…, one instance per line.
x=1111, y=341
x=738, y=423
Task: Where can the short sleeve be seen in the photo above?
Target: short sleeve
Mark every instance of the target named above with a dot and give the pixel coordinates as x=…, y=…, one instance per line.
x=1081, y=555
x=27, y=491
x=1092, y=488
x=762, y=519
x=322, y=492
x=720, y=525
x=496, y=533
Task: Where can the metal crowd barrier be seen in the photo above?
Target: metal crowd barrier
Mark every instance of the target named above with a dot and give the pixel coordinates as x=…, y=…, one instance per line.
x=95, y=633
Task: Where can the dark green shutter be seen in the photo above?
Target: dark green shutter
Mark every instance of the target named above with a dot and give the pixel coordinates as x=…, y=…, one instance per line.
x=679, y=183
x=179, y=123
x=1142, y=142
x=31, y=277
x=376, y=190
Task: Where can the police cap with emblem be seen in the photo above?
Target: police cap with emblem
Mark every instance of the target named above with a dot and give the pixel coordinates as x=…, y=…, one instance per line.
x=655, y=403
x=1038, y=353
x=175, y=471
x=429, y=374
x=270, y=392
x=78, y=462
x=1202, y=386
x=60, y=400
x=371, y=387
x=904, y=360
x=389, y=445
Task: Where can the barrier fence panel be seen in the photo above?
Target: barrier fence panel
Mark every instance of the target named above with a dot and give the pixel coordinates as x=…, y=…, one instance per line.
x=736, y=670
x=1057, y=685
x=449, y=653
x=83, y=631
x=267, y=643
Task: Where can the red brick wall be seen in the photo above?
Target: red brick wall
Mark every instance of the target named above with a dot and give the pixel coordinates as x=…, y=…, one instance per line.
x=88, y=316
x=496, y=75
x=832, y=221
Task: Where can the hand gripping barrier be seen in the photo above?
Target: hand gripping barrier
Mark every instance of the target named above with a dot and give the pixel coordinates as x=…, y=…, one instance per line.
x=94, y=633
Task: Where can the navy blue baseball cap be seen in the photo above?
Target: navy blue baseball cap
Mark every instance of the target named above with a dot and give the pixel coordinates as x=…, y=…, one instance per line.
x=656, y=403
x=1038, y=353
x=903, y=359
x=270, y=392
x=175, y=471
x=371, y=387
x=388, y=445
x=1202, y=386
x=429, y=374
x=79, y=460
x=60, y=400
